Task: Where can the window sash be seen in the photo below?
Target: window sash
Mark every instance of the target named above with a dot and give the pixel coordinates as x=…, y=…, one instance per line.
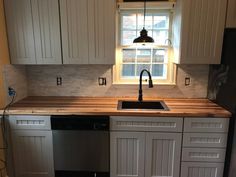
x=169, y=66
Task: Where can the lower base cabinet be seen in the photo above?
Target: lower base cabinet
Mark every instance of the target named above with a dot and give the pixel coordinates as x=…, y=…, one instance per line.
x=145, y=154
x=32, y=153
x=199, y=169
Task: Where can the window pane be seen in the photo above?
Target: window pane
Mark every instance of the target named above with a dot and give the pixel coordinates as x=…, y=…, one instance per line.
x=158, y=70
x=144, y=55
x=129, y=21
x=128, y=37
x=160, y=36
x=129, y=55
x=159, y=55
x=161, y=22
x=128, y=70
x=140, y=67
x=148, y=21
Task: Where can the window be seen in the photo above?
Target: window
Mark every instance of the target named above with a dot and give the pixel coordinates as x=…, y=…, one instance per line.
x=132, y=58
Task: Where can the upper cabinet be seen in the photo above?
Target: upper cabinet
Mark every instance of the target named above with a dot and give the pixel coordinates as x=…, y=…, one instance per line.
x=198, y=28
x=231, y=14
x=88, y=31
x=74, y=27
x=33, y=31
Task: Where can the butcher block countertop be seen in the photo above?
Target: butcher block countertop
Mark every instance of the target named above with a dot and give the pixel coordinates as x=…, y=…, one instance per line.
x=108, y=106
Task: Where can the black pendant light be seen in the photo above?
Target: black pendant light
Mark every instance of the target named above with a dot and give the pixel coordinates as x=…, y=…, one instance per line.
x=144, y=38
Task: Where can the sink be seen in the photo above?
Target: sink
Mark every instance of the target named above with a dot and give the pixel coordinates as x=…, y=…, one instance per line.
x=143, y=105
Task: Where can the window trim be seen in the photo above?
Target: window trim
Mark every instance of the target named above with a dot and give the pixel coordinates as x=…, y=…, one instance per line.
x=171, y=67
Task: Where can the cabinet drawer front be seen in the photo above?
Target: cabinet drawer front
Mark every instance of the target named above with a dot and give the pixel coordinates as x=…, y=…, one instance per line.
x=30, y=122
x=206, y=124
x=162, y=124
x=205, y=140
x=196, y=169
x=203, y=155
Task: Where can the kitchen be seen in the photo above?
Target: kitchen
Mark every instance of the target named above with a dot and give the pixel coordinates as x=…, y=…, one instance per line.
x=76, y=103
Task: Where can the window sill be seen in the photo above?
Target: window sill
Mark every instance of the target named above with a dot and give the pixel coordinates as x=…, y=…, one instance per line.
x=136, y=84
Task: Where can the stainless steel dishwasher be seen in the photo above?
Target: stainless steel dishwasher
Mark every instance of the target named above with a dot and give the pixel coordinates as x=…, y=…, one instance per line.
x=81, y=146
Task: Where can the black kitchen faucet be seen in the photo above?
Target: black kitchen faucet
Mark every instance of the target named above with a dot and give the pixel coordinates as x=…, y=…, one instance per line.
x=140, y=96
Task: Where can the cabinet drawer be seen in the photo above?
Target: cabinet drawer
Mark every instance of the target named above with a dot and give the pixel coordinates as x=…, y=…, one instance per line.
x=24, y=122
x=206, y=125
x=203, y=155
x=205, y=140
x=162, y=124
x=196, y=169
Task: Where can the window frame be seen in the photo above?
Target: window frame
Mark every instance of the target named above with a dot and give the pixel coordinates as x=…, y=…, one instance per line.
x=117, y=69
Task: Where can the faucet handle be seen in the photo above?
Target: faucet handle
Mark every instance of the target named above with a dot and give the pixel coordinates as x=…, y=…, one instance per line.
x=150, y=83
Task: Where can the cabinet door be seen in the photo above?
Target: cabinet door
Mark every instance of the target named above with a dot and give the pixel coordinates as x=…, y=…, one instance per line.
x=162, y=154
x=46, y=31
x=231, y=14
x=195, y=169
x=74, y=26
x=33, y=153
x=101, y=26
x=127, y=154
x=203, y=25
x=20, y=31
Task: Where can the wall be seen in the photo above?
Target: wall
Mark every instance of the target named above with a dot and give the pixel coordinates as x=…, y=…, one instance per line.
x=4, y=54
x=83, y=81
x=4, y=59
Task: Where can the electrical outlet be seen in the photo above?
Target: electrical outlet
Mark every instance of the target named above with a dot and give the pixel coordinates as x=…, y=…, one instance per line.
x=59, y=81
x=187, y=81
x=102, y=81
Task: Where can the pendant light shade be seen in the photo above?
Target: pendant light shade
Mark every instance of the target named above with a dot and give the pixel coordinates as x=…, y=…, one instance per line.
x=144, y=38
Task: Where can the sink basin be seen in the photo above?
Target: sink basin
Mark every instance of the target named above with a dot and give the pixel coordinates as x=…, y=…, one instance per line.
x=144, y=105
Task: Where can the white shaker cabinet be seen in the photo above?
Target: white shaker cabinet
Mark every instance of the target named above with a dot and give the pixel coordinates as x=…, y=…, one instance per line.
x=101, y=26
x=193, y=169
x=31, y=140
x=74, y=27
x=33, y=153
x=231, y=14
x=198, y=28
x=127, y=154
x=140, y=153
x=163, y=154
x=204, y=147
x=88, y=31
x=33, y=31
x=20, y=31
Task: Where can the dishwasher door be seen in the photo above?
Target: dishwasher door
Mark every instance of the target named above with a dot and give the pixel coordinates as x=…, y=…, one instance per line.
x=81, y=152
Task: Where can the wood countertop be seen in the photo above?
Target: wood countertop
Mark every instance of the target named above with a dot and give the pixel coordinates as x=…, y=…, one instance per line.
x=108, y=106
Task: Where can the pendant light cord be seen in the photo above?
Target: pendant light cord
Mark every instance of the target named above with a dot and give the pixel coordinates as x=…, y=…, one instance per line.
x=144, y=13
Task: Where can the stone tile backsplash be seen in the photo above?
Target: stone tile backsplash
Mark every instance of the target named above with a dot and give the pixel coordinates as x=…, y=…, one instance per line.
x=82, y=80
x=16, y=77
